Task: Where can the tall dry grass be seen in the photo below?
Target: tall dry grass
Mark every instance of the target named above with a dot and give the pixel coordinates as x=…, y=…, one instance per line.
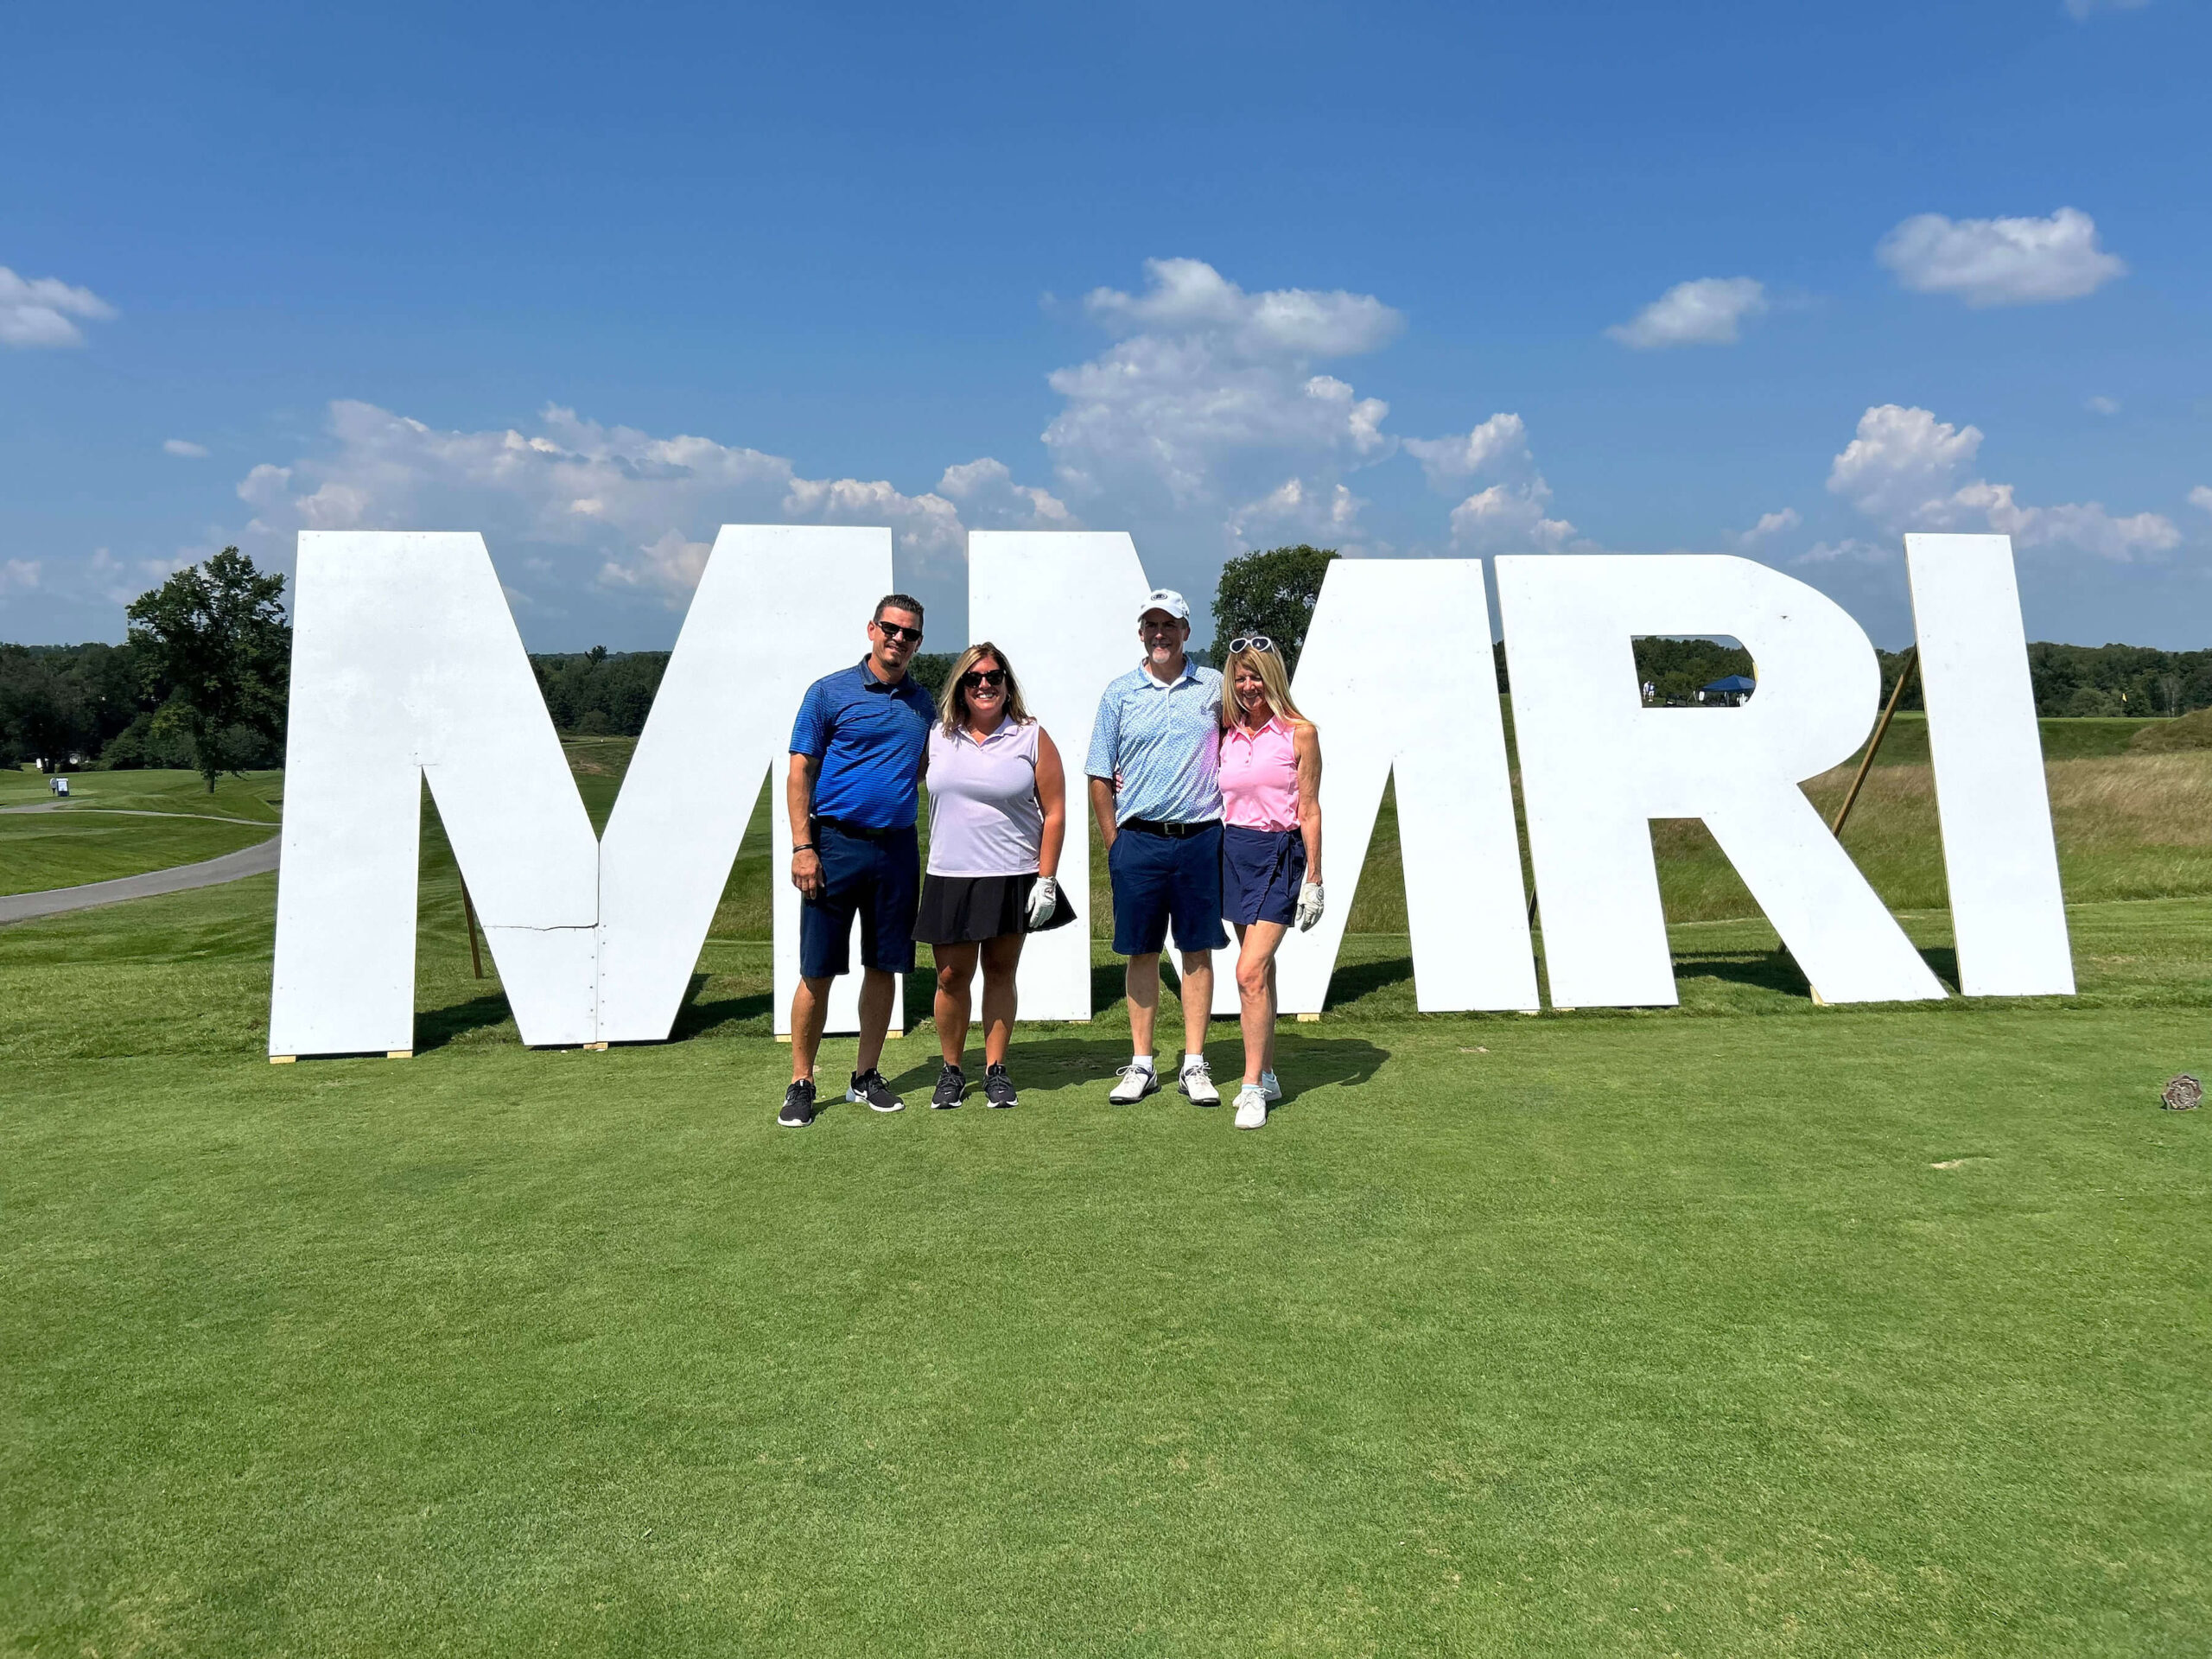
x=2129, y=826
x=2135, y=826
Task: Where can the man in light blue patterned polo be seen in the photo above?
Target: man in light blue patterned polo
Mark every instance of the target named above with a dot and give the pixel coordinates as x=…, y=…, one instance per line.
x=1155, y=767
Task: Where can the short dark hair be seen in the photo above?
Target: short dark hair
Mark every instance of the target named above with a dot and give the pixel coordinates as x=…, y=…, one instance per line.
x=898, y=602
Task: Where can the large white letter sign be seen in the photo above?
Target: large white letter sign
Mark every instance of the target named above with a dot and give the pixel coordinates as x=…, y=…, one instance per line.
x=1063, y=605
x=1434, y=718
x=2007, y=913
x=1596, y=766
x=406, y=666
x=778, y=607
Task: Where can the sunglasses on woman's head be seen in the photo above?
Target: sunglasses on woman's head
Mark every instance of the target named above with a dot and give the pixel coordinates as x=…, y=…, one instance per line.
x=1252, y=642
x=893, y=631
x=976, y=677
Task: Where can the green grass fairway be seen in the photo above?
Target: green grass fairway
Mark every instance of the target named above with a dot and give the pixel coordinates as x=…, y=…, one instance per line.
x=1745, y=1329
x=105, y=829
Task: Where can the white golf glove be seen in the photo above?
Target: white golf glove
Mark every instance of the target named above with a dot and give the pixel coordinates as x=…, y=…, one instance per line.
x=1309, y=907
x=1042, y=898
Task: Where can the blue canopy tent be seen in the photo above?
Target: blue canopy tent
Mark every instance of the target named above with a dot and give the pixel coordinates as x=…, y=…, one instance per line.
x=1732, y=689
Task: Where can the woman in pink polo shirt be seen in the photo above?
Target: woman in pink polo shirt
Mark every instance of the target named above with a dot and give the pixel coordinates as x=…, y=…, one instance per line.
x=1270, y=845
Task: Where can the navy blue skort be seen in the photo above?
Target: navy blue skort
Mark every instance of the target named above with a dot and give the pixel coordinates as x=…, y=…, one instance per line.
x=1262, y=871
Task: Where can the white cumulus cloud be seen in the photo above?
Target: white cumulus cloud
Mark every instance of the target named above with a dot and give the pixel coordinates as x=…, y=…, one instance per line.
x=1771, y=524
x=1709, y=311
x=1188, y=296
x=35, y=311
x=1210, y=397
x=1906, y=470
x=1501, y=440
x=185, y=447
x=2202, y=497
x=1512, y=513
x=2000, y=261
x=988, y=499
x=640, y=510
x=1295, y=509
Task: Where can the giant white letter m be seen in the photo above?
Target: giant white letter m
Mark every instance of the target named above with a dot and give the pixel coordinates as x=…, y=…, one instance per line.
x=406, y=667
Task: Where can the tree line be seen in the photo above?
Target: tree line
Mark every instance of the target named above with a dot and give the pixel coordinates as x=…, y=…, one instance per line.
x=201, y=679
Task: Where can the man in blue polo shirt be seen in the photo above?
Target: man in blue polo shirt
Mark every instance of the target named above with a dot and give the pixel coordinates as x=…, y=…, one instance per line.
x=1154, y=766
x=858, y=751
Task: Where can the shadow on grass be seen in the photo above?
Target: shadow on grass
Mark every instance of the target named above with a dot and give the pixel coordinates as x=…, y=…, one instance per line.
x=436, y=1027
x=1305, y=1063
x=1943, y=961
x=697, y=1018
x=1350, y=982
x=1766, y=970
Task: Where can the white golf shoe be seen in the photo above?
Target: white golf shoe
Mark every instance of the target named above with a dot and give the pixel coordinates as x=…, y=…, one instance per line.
x=1133, y=1082
x=1197, y=1081
x=1251, y=1107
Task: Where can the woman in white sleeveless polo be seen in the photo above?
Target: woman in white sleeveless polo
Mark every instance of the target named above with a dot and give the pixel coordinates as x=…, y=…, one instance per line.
x=998, y=811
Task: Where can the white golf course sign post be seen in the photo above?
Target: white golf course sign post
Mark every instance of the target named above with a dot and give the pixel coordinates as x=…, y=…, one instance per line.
x=407, y=668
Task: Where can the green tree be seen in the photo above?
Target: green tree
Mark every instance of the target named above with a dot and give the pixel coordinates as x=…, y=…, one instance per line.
x=220, y=648
x=1273, y=593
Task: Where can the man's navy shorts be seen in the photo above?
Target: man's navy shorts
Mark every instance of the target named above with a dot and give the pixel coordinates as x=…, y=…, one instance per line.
x=881, y=879
x=1159, y=878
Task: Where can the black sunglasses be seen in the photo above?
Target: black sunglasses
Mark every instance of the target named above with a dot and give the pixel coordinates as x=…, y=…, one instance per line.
x=893, y=631
x=1252, y=642
x=976, y=677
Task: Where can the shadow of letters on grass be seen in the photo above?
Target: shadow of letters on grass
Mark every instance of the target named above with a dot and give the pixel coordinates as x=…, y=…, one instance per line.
x=407, y=667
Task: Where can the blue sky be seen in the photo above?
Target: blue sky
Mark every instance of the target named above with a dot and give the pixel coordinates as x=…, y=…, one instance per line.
x=1406, y=280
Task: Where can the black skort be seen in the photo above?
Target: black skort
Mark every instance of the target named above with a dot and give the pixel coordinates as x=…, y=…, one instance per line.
x=964, y=909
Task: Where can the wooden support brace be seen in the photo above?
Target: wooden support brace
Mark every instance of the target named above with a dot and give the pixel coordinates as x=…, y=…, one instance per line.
x=595, y=1048
x=282, y=1059
x=399, y=1054
x=1874, y=745
x=1309, y=1019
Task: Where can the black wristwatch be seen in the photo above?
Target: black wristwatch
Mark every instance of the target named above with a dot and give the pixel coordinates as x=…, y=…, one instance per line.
x=804, y=847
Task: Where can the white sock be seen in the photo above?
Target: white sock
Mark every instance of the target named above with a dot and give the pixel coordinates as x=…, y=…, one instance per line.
x=1188, y=1057
x=1144, y=1060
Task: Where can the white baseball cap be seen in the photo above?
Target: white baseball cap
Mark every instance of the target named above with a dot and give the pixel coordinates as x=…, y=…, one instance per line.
x=1167, y=599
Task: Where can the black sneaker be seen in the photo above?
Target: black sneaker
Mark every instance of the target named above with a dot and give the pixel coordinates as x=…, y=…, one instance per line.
x=869, y=1086
x=799, y=1104
x=951, y=1083
x=998, y=1088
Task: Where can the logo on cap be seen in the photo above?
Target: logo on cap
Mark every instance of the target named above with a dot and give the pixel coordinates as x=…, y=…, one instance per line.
x=1167, y=599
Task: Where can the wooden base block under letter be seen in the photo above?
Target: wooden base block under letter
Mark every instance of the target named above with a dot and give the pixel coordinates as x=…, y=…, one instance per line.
x=595, y=1048
x=783, y=1036
x=1309, y=1019
x=399, y=1054
x=282, y=1059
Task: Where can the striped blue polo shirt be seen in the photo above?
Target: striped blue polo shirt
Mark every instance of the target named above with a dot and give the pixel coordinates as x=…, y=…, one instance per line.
x=870, y=739
x=1163, y=741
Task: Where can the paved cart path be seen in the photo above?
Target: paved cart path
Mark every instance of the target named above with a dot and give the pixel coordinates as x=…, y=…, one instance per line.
x=257, y=859
x=130, y=812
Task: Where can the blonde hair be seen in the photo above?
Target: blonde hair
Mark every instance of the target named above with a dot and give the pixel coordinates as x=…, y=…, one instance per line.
x=952, y=702
x=1268, y=664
